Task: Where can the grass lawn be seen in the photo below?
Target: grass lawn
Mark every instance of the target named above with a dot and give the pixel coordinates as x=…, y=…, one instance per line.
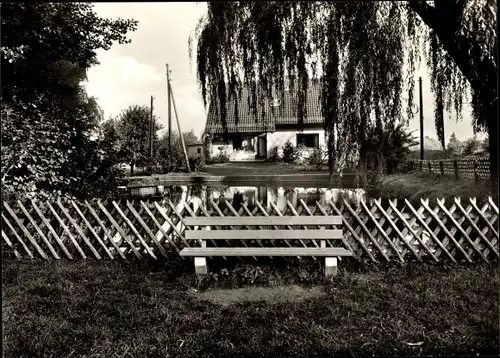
x=264, y=168
x=108, y=309
x=416, y=185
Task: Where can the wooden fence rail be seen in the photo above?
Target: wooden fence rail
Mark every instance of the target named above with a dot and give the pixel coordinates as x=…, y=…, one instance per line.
x=455, y=231
x=476, y=169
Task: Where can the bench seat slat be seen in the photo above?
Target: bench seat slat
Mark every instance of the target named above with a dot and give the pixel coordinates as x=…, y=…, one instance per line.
x=265, y=251
x=262, y=220
x=262, y=234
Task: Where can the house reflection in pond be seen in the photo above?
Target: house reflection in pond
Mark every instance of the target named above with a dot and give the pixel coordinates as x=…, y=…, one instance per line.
x=238, y=195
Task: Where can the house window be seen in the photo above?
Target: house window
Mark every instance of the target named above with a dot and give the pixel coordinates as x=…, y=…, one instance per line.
x=198, y=150
x=308, y=140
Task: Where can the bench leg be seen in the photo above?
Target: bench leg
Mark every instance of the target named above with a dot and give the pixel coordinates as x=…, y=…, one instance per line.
x=331, y=268
x=200, y=265
x=330, y=263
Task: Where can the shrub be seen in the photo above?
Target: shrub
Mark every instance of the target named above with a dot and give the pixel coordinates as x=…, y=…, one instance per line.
x=299, y=154
x=171, y=161
x=220, y=158
x=289, y=153
x=274, y=156
x=317, y=157
x=196, y=163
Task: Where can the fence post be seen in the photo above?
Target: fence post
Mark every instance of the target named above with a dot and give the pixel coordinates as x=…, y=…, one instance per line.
x=441, y=166
x=420, y=162
x=455, y=166
x=429, y=165
x=476, y=177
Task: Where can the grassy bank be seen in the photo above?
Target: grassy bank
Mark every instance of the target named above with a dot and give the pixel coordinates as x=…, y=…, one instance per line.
x=416, y=185
x=105, y=309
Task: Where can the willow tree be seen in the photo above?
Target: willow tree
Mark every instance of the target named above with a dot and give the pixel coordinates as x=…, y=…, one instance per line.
x=363, y=53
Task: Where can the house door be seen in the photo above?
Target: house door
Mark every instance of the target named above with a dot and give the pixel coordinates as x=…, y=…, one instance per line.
x=262, y=145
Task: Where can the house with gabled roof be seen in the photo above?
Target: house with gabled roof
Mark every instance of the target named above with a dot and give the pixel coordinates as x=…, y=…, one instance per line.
x=253, y=136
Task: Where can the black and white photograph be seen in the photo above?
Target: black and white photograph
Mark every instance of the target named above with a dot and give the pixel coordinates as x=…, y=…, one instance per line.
x=250, y=179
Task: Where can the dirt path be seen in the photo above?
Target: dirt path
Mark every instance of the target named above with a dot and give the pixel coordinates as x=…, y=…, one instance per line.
x=252, y=294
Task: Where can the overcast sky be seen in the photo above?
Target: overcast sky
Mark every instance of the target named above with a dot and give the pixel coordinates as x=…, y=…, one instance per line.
x=129, y=74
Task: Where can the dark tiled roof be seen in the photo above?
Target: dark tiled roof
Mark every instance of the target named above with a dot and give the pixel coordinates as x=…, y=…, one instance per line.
x=286, y=113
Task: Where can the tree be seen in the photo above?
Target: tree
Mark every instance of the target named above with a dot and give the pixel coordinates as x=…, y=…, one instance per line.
x=396, y=147
x=47, y=118
x=174, y=159
x=470, y=146
x=190, y=137
x=171, y=160
x=454, y=146
x=41, y=38
x=133, y=128
x=357, y=51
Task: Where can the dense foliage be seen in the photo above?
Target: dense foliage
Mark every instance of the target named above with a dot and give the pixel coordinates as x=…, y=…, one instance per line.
x=363, y=53
x=395, y=147
x=50, y=126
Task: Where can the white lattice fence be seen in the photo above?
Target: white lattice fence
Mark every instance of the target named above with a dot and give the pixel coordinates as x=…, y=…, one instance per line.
x=448, y=231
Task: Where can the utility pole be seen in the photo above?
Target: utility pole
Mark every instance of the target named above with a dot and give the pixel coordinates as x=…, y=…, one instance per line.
x=169, y=112
x=421, y=120
x=179, y=128
x=151, y=131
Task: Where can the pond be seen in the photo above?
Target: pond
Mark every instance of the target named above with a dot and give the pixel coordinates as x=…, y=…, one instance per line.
x=266, y=196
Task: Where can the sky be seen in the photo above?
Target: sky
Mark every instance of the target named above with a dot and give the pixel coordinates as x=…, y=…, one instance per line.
x=129, y=74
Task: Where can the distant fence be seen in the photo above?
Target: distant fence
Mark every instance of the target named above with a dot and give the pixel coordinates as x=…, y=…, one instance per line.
x=475, y=169
x=454, y=231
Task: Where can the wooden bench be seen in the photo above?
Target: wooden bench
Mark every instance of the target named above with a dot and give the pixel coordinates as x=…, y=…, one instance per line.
x=318, y=233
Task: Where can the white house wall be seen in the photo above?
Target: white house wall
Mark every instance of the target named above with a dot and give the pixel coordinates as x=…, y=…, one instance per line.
x=228, y=148
x=279, y=138
x=274, y=139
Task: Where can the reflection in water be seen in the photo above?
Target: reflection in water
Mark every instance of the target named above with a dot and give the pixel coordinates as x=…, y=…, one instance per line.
x=237, y=195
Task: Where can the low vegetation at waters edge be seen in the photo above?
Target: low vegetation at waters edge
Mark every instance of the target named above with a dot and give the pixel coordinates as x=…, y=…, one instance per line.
x=110, y=308
x=419, y=185
x=455, y=149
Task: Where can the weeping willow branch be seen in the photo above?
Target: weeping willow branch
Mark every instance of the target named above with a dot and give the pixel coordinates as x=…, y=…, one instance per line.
x=365, y=55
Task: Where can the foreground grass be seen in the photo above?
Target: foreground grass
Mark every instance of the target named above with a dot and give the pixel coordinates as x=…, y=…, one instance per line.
x=107, y=309
x=416, y=185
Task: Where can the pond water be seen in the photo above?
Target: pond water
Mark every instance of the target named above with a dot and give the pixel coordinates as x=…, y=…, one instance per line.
x=197, y=195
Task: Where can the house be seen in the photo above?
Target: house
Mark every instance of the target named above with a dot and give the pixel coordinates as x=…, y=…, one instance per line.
x=257, y=137
x=195, y=150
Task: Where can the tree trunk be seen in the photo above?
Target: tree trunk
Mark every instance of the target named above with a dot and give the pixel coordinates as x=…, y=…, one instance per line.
x=480, y=71
x=331, y=159
x=362, y=166
x=132, y=168
x=493, y=149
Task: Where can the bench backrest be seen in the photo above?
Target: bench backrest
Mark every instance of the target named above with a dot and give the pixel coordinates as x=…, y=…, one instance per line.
x=262, y=220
